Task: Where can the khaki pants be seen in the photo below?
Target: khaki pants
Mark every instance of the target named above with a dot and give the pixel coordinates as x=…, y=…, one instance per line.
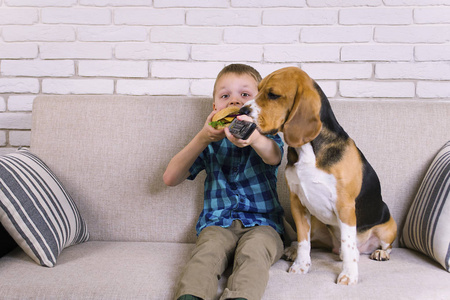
x=254, y=249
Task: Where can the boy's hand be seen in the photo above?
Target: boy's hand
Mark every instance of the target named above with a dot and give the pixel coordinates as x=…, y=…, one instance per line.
x=208, y=132
x=239, y=142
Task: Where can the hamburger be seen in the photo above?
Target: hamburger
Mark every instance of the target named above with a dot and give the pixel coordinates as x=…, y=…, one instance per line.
x=224, y=117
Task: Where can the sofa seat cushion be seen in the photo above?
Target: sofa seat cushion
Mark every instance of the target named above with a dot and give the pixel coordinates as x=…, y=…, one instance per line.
x=144, y=270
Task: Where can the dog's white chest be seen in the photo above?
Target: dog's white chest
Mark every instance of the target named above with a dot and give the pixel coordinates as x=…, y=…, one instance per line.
x=315, y=188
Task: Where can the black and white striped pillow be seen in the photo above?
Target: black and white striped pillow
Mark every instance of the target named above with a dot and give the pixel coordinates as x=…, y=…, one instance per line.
x=427, y=227
x=36, y=210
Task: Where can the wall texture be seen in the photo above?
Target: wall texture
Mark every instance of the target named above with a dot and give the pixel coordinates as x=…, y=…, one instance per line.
x=359, y=49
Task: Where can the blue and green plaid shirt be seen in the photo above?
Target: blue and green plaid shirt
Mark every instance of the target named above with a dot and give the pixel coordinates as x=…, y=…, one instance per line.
x=238, y=186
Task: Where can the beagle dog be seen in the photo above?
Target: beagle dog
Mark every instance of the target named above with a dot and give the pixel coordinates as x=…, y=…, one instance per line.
x=335, y=193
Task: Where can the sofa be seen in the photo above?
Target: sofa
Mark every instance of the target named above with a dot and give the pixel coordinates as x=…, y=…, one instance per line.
x=134, y=234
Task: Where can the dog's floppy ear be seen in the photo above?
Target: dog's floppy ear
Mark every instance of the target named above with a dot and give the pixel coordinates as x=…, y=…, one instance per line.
x=303, y=124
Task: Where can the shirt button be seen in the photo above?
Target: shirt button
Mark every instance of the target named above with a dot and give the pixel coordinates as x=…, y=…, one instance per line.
x=235, y=169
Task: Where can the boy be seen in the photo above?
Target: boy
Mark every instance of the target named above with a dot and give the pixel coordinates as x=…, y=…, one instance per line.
x=241, y=217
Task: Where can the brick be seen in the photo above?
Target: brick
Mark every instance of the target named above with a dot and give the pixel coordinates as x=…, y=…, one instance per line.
x=190, y=3
x=38, y=68
x=266, y=69
x=77, y=86
x=112, y=34
x=426, y=89
x=15, y=120
x=185, y=69
x=372, y=89
x=152, y=51
x=415, y=2
x=202, y=87
x=19, y=85
x=412, y=34
x=153, y=87
x=146, y=16
x=20, y=102
x=19, y=138
x=38, y=33
x=2, y=104
x=17, y=51
x=261, y=35
x=344, y=3
x=301, y=53
x=329, y=88
x=2, y=138
x=377, y=53
x=41, y=3
x=91, y=16
x=267, y=3
x=432, y=15
x=116, y=2
x=75, y=51
x=231, y=53
x=16, y=16
x=113, y=68
x=426, y=70
x=375, y=15
x=222, y=17
x=336, y=34
x=300, y=17
x=338, y=71
x=188, y=35
x=432, y=52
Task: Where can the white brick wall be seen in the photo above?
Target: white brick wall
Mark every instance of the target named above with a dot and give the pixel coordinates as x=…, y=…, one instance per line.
x=358, y=49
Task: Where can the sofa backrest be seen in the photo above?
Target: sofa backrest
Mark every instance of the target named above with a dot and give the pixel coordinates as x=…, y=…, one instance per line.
x=110, y=153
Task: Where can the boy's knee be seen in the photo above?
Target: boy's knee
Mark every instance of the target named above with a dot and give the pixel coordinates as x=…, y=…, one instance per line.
x=262, y=243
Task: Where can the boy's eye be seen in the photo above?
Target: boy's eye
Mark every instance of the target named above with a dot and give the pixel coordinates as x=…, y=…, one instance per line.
x=245, y=95
x=224, y=96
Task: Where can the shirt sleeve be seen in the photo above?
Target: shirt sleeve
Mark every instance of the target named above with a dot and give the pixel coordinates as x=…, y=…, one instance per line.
x=277, y=139
x=197, y=166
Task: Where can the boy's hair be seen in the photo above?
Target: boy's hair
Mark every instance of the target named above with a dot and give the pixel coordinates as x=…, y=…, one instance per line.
x=238, y=69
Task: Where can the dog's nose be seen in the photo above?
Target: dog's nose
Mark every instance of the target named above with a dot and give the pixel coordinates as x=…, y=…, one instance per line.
x=245, y=110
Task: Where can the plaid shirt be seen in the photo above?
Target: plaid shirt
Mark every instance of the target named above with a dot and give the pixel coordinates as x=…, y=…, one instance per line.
x=238, y=185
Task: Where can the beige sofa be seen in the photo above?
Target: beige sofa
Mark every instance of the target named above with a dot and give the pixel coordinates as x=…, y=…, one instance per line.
x=110, y=153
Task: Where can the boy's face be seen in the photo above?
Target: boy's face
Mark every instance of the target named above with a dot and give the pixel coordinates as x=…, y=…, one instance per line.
x=233, y=89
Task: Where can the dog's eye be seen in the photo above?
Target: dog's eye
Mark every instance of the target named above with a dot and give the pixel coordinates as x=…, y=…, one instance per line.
x=273, y=96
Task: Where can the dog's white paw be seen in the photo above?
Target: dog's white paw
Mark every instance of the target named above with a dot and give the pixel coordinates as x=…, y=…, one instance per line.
x=300, y=267
x=347, y=279
x=291, y=252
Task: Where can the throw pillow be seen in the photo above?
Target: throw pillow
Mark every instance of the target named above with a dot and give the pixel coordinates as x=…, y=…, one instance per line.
x=427, y=227
x=36, y=210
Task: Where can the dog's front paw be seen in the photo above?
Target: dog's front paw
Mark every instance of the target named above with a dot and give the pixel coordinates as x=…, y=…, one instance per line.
x=300, y=266
x=347, y=279
x=349, y=276
x=380, y=255
x=291, y=252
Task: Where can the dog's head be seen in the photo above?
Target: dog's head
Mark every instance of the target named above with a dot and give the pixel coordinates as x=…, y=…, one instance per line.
x=288, y=102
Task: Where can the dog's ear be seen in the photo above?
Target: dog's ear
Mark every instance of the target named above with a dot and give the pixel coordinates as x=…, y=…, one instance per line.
x=303, y=124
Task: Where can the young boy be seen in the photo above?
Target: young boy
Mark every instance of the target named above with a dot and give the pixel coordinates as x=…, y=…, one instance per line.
x=241, y=219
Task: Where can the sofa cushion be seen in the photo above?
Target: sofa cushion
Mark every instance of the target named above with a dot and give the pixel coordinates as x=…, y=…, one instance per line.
x=35, y=208
x=427, y=227
x=147, y=270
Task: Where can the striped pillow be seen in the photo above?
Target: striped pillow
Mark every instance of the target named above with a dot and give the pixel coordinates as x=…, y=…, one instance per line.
x=36, y=210
x=427, y=227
